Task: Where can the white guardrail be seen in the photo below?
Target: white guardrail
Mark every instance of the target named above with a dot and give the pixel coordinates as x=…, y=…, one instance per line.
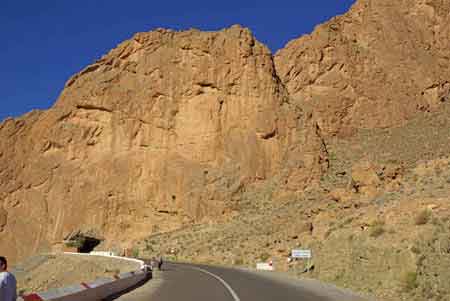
x=98, y=289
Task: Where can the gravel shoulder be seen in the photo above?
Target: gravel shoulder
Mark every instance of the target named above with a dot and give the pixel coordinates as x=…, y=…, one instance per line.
x=321, y=289
x=145, y=291
x=44, y=272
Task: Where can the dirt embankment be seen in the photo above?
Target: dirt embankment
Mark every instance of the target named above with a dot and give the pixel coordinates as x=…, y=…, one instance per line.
x=44, y=272
x=377, y=222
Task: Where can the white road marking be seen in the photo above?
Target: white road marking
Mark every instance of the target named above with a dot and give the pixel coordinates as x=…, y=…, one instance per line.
x=227, y=286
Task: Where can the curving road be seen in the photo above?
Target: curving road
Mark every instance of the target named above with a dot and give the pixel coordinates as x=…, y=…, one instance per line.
x=197, y=282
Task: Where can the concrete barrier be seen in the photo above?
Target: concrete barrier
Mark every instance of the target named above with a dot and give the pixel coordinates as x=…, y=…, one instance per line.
x=140, y=262
x=103, y=253
x=263, y=266
x=99, y=289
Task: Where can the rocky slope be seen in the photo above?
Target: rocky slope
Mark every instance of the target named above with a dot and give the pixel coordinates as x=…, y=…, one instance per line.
x=382, y=229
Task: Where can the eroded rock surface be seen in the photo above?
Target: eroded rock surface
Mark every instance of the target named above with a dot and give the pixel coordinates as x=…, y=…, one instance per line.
x=163, y=131
x=374, y=67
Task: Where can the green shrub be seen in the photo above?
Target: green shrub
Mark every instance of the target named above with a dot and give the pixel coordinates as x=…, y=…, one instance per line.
x=347, y=221
x=415, y=250
x=264, y=256
x=135, y=252
x=149, y=248
x=239, y=261
x=112, y=271
x=410, y=281
x=332, y=156
x=328, y=232
x=377, y=229
x=76, y=242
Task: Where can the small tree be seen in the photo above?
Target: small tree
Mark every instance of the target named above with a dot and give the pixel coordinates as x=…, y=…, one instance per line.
x=135, y=252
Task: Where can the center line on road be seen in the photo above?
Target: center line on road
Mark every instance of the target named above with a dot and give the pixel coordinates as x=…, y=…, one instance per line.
x=227, y=286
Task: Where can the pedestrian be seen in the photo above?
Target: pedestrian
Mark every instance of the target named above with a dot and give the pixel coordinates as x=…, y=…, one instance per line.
x=8, y=283
x=153, y=263
x=160, y=263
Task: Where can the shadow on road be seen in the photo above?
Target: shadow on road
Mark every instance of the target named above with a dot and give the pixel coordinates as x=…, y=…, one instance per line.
x=119, y=294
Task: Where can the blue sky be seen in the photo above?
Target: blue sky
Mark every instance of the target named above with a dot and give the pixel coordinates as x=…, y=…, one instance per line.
x=44, y=42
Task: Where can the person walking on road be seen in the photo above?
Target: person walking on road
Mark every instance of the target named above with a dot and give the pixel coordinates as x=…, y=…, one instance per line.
x=160, y=263
x=153, y=263
x=8, y=283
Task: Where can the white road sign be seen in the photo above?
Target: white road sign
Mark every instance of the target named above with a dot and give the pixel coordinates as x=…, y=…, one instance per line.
x=301, y=254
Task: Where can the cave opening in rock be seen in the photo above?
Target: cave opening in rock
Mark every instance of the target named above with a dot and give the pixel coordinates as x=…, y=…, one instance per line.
x=88, y=244
x=83, y=243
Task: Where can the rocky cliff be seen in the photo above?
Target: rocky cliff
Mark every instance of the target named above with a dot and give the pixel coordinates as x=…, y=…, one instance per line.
x=164, y=131
x=374, y=67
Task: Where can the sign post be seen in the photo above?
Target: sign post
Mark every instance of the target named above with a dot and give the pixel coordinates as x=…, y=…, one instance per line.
x=302, y=254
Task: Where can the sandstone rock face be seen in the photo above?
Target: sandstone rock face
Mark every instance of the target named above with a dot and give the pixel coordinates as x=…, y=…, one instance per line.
x=170, y=128
x=375, y=66
x=161, y=132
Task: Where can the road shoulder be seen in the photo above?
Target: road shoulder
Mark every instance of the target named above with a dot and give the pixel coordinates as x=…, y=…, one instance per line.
x=144, y=291
x=320, y=289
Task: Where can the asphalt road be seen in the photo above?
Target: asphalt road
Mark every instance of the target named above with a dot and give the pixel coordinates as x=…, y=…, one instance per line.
x=196, y=282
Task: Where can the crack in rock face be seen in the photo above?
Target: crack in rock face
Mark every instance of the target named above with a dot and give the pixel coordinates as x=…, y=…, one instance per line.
x=3, y=218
